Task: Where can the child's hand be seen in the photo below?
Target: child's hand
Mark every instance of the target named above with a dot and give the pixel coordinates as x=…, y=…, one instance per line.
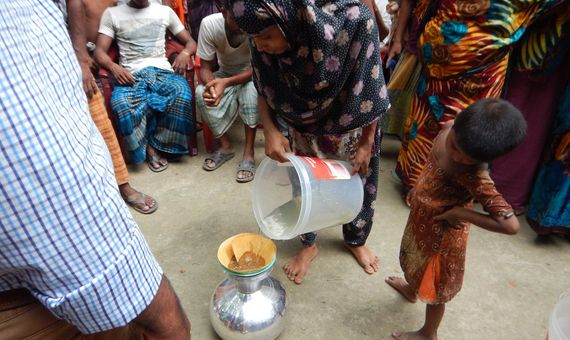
x=451, y=217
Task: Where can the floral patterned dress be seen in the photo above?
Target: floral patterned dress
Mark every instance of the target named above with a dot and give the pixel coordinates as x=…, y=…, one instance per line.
x=432, y=254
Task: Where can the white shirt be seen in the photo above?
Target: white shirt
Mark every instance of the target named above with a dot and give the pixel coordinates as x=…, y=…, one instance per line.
x=213, y=42
x=140, y=34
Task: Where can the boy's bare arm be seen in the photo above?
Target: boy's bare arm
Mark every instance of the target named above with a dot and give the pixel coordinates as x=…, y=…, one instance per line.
x=498, y=224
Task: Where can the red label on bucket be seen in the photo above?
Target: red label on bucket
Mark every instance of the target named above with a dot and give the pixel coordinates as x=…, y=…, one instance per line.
x=327, y=169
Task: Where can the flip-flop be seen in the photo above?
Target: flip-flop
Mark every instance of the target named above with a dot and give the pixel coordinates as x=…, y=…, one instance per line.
x=249, y=166
x=155, y=159
x=219, y=158
x=132, y=201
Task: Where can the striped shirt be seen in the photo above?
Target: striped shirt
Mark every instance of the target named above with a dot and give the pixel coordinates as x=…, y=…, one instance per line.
x=65, y=233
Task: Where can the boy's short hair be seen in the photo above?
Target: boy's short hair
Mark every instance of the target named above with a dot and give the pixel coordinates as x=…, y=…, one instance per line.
x=489, y=128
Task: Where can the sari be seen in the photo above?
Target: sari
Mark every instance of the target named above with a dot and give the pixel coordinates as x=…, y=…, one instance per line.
x=464, y=48
x=540, y=72
x=549, y=208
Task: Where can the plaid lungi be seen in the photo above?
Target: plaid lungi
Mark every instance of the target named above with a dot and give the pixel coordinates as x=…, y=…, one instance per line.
x=240, y=99
x=156, y=110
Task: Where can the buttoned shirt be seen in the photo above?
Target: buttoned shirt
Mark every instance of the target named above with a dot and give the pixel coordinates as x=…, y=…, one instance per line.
x=65, y=233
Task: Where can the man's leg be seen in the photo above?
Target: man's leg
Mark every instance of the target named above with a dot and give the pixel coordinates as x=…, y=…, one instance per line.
x=248, y=151
x=218, y=119
x=164, y=317
x=247, y=99
x=140, y=201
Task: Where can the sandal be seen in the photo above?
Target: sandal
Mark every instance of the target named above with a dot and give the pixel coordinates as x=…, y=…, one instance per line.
x=219, y=158
x=133, y=201
x=155, y=159
x=249, y=166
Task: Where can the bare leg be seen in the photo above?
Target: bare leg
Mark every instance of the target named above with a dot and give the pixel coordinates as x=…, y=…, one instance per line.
x=225, y=146
x=434, y=314
x=164, y=317
x=127, y=191
x=297, y=267
x=366, y=258
x=402, y=287
x=248, y=149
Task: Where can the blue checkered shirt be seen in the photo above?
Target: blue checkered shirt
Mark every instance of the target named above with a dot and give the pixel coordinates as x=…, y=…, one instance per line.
x=65, y=233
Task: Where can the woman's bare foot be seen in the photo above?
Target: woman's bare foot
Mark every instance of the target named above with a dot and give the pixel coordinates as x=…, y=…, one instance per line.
x=366, y=258
x=402, y=287
x=297, y=267
x=417, y=335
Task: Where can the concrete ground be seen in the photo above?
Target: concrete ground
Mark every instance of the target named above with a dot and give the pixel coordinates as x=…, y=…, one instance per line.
x=511, y=283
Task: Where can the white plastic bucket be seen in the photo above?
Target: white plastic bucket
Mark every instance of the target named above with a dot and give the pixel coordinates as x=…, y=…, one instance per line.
x=304, y=195
x=559, y=328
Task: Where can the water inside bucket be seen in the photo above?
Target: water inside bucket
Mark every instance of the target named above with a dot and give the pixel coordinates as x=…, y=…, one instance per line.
x=304, y=195
x=564, y=324
x=283, y=217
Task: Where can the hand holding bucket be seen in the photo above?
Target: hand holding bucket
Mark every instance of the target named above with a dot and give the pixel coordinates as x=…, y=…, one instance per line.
x=304, y=195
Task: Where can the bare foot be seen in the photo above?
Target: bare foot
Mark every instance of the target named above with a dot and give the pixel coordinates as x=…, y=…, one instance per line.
x=402, y=287
x=366, y=258
x=413, y=336
x=297, y=267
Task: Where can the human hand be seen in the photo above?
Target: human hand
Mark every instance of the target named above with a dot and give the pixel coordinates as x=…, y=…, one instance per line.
x=123, y=76
x=214, y=91
x=392, y=7
x=89, y=84
x=451, y=218
x=394, y=50
x=276, y=145
x=182, y=63
x=361, y=159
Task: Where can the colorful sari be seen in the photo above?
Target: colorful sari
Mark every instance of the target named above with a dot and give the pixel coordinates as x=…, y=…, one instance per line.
x=405, y=77
x=549, y=208
x=464, y=48
x=540, y=73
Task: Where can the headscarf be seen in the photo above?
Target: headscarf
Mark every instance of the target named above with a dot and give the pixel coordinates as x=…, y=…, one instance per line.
x=330, y=80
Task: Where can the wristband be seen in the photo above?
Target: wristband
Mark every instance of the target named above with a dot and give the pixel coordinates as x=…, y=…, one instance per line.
x=185, y=52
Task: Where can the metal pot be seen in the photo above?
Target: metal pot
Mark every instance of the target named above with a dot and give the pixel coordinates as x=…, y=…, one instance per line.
x=248, y=306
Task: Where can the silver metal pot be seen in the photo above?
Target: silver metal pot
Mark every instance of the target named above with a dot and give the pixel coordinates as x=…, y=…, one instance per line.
x=248, y=307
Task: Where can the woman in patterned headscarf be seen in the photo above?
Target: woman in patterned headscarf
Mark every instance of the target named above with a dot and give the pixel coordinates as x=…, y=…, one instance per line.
x=317, y=66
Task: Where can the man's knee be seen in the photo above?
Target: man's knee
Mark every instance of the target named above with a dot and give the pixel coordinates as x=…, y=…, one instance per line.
x=164, y=317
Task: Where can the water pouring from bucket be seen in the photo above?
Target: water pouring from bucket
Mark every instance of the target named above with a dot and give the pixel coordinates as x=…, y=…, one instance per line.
x=304, y=195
